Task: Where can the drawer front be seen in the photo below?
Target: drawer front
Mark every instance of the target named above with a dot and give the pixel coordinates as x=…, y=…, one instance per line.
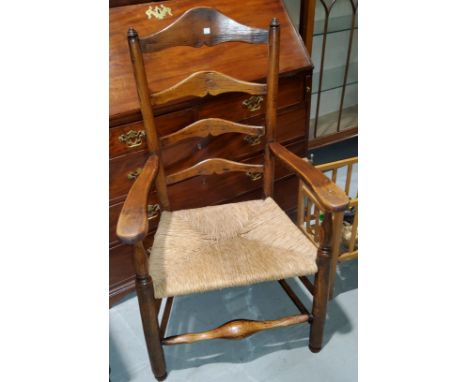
x=132, y=137
x=285, y=193
x=123, y=171
x=121, y=269
x=215, y=189
x=238, y=107
x=114, y=212
x=291, y=125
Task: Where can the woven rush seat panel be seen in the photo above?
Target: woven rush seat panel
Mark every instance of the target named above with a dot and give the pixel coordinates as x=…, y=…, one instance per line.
x=224, y=246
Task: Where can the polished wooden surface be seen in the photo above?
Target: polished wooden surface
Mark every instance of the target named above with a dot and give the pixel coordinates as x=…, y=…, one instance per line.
x=272, y=105
x=191, y=29
x=123, y=168
x=327, y=193
x=344, y=245
x=201, y=84
x=213, y=127
x=133, y=224
x=122, y=269
x=213, y=166
x=168, y=67
x=219, y=189
x=148, y=308
x=235, y=329
x=153, y=145
x=128, y=139
x=121, y=3
x=133, y=220
x=321, y=285
x=307, y=21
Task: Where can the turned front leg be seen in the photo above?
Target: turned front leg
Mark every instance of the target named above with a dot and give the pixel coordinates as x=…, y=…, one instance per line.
x=328, y=232
x=148, y=312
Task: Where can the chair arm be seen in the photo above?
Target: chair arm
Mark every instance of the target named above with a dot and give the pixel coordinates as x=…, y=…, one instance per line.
x=328, y=194
x=133, y=220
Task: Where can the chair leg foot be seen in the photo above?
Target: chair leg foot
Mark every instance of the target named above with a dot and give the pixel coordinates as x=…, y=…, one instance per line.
x=314, y=349
x=319, y=307
x=162, y=378
x=149, y=320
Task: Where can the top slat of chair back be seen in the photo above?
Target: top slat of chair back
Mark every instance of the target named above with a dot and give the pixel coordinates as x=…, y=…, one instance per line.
x=202, y=26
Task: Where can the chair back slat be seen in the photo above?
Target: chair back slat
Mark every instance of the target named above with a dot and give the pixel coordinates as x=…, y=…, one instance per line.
x=211, y=126
x=212, y=166
x=202, y=26
x=201, y=84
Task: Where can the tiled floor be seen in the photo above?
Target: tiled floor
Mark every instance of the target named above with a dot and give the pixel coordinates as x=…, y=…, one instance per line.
x=273, y=355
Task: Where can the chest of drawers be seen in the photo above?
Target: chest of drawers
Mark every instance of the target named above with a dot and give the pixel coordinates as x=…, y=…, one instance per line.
x=127, y=143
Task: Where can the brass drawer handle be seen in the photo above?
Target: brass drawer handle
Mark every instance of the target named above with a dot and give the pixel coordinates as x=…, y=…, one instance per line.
x=253, y=103
x=134, y=174
x=153, y=210
x=253, y=140
x=254, y=175
x=132, y=138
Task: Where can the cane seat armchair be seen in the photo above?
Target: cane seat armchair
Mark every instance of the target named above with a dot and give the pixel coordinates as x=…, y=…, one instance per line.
x=215, y=247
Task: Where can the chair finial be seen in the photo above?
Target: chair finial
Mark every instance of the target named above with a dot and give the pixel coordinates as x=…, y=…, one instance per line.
x=132, y=32
x=274, y=22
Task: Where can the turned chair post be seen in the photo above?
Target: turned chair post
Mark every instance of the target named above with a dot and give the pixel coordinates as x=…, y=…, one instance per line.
x=152, y=139
x=271, y=105
x=335, y=250
x=148, y=312
x=329, y=230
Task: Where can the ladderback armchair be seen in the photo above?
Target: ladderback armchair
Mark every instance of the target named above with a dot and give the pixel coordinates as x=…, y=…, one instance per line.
x=237, y=244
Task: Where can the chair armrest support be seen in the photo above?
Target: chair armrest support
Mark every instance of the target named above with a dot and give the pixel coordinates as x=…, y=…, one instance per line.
x=328, y=194
x=133, y=220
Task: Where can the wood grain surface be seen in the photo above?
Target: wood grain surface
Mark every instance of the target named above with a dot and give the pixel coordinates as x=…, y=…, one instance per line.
x=168, y=67
x=202, y=26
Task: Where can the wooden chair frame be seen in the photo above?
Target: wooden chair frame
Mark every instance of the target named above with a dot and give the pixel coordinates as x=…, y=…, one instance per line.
x=309, y=211
x=207, y=26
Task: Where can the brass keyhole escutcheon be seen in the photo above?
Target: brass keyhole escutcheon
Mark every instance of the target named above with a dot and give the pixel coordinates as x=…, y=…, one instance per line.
x=253, y=103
